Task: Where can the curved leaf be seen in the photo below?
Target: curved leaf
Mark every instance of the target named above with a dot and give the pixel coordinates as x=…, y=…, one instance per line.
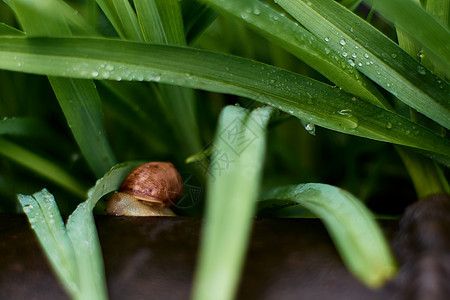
x=234, y=180
x=74, y=250
x=356, y=235
x=302, y=97
x=284, y=32
x=375, y=55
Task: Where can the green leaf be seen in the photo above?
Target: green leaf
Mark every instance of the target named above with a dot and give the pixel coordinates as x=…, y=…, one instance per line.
x=375, y=55
x=79, y=99
x=356, y=235
x=74, y=251
x=313, y=51
x=197, y=18
x=46, y=221
x=82, y=108
x=413, y=19
x=162, y=22
x=22, y=126
x=42, y=166
x=83, y=234
x=8, y=30
x=299, y=96
x=234, y=182
x=122, y=17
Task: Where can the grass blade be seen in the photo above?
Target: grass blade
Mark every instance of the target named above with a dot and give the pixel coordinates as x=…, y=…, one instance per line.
x=74, y=251
x=122, y=18
x=8, y=30
x=42, y=166
x=299, y=96
x=83, y=234
x=235, y=175
x=82, y=108
x=48, y=225
x=313, y=51
x=22, y=126
x=162, y=22
x=78, y=99
x=356, y=235
x=376, y=56
x=413, y=19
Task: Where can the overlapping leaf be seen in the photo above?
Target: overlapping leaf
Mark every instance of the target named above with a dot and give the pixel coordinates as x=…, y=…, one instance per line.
x=302, y=97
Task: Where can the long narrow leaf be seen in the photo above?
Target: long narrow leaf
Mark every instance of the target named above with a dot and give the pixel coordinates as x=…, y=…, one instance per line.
x=8, y=30
x=83, y=234
x=128, y=19
x=413, y=19
x=235, y=175
x=82, y=108
x=22, y=126
x=74, y=251
x=356, y=235
x=42, y=166
x=375, y=55
x=162, y=22
x=302, y=97
x=79, y=99
x=313, y=51
x=45, y=219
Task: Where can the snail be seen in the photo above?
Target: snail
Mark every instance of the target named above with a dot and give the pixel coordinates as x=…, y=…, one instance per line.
x=149, y=190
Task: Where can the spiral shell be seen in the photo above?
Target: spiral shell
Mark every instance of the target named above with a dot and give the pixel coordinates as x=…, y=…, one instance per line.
x=154, y=182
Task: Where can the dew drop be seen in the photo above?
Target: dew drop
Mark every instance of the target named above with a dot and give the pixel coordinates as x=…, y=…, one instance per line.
x=94, y=73
x=393, y=55
x=421, y=70
x=389, y=125
x=310, y=128
x=327, y=39
x=342, y=42
x=105, y=75
x=354, y=55
x=349, y=121
x=351, y=62
x=366, y=55
x=345, y=112
x=256, y=11
x=344, y=54
x=272, y=81
x=420, y=54
x=27, y=208
x=360, y=64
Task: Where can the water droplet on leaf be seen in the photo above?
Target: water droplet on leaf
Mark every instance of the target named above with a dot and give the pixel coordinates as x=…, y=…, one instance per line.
x=421, y=70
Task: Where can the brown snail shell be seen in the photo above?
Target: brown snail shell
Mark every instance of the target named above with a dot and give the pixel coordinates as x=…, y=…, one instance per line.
x=149, y=190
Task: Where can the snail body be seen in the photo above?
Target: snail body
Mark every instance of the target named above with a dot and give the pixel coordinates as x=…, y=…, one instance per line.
x=149, y=190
